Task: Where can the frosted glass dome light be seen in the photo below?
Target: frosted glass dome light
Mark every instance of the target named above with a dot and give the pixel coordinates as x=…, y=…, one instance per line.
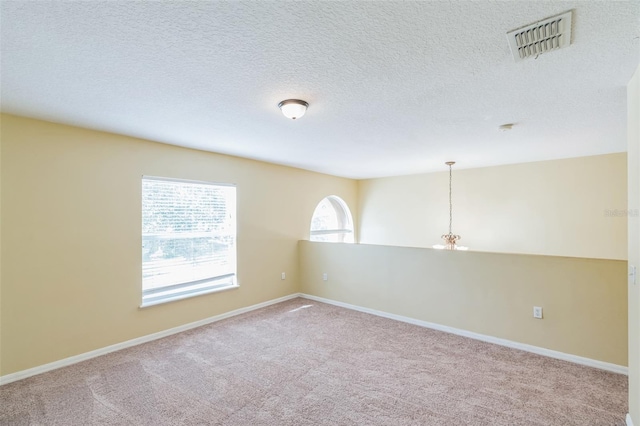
x=293, y=108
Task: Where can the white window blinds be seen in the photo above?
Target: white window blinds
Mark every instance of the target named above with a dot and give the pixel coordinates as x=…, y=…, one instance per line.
x=188, y=238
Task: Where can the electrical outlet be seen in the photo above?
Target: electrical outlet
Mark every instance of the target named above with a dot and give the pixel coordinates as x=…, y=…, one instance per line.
x=537, y=312
x=325, y=277
x=283, y=276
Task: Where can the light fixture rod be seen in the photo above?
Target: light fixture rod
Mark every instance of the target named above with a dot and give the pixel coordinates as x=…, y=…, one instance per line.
x=450, y=238
x=450, y=163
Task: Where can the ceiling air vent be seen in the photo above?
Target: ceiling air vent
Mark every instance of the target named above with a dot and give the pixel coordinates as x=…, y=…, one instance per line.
x=542, y=37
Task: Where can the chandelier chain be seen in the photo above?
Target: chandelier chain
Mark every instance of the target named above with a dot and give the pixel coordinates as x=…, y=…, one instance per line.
x=450, y=202
x=450, y=239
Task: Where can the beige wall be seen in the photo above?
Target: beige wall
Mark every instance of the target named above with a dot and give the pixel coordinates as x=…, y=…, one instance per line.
x=70, y=210
x=0, y=247
x=550, y=207
x=71, y=243
x=584, y=300
x=633, y=99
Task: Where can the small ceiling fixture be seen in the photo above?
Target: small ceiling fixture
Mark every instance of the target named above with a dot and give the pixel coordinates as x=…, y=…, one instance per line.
x=293, y=108
x=450, y=239
x=506, y=127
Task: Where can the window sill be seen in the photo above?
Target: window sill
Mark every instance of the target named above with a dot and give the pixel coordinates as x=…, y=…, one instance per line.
x=200, y=292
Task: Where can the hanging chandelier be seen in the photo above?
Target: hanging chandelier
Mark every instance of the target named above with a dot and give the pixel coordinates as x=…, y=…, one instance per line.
x=450, y=239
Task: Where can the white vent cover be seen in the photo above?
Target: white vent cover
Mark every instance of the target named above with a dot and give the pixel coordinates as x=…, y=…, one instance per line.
x=542, y=37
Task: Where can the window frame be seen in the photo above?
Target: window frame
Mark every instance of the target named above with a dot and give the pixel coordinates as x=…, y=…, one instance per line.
x=179, y=291
x=345, y=220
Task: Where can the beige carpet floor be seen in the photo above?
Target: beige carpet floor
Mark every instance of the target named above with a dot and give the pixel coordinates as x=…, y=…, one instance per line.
x=307, y=363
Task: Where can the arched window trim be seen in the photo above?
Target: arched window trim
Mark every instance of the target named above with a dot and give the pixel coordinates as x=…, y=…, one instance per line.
x=345, y=220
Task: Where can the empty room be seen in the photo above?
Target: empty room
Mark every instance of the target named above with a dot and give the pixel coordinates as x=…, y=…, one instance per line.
x=320, y=213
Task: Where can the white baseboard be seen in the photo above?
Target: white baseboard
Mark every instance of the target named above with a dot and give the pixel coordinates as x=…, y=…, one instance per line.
x=150, y=337
x=629, y=422
x=485, y=338
x=133, y=342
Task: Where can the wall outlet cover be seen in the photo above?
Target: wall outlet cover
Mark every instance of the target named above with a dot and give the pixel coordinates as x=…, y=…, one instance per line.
x=537, y=312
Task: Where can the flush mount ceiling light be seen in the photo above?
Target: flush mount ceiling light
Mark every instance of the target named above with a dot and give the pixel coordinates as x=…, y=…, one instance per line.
x=293, y=108
x=506, y=127
x=450, y=239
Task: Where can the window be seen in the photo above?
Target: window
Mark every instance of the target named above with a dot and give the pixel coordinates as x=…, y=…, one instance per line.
x=332, y=221
x=188, y=239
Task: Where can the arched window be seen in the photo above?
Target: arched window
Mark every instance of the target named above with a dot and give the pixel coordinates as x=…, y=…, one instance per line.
x=332, y=221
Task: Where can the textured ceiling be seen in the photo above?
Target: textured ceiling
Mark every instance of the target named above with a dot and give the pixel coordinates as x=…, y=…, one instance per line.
x=394, y=87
